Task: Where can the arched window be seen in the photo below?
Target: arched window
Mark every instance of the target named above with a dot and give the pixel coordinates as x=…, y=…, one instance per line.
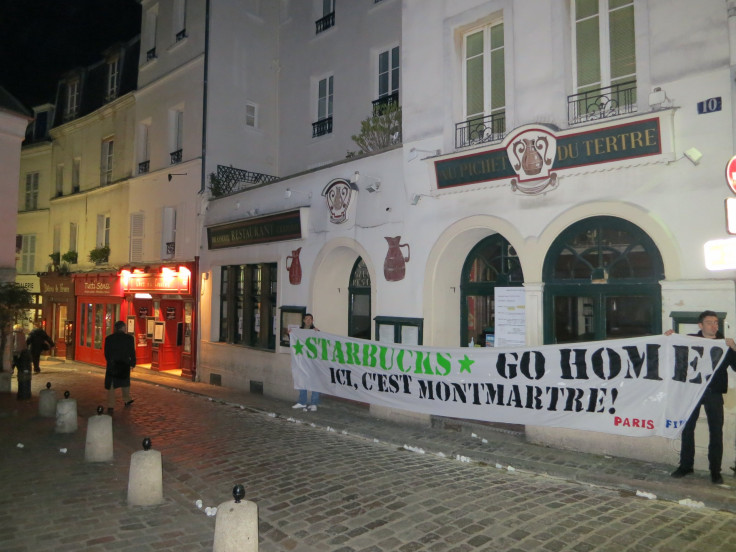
x=359, y=308
x=491, y=263
x=601, y=281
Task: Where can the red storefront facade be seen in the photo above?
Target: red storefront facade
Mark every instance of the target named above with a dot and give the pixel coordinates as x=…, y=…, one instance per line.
x=158, y=305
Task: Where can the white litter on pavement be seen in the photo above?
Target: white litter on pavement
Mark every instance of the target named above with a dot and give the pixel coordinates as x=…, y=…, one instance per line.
x=330, y=429
x=462, y=458
x=510, y=468
x=376, y=441
x=473, y=435
x=344, y=432
x=414, y=449
x=484, y=441
x=499, y=467
x=62, y=450
x=271, y=414
x=441, y=455
x=691, y=503
x=645, y=494
x=20, y=445
x=211, y=511
x=198, y=503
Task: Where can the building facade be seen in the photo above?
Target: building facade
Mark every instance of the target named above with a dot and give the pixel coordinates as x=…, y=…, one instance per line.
x=581, y=160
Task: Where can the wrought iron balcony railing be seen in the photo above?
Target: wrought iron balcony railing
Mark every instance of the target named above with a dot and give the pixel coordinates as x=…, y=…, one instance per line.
x=181, y=35
x=170, y=248
x=322, y=127
x=479, y=130
x=176, y=157
x=383, y=102
x=602, y=103
x=143, y=167
x=230, y=180
x=326, y=22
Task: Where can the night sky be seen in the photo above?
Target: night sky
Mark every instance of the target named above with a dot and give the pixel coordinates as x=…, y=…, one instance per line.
x=42, y=39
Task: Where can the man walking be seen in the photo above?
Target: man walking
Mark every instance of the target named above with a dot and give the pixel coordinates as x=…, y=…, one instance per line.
x=38, y=340
x=712, y=402
x=120, y=357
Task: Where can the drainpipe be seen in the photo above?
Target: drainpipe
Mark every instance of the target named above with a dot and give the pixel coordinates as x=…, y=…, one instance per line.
x=203, y=187
x=731, y=7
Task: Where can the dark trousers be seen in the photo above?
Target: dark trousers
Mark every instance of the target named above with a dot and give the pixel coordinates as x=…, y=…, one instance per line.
x=713, y=404
x=36, y=357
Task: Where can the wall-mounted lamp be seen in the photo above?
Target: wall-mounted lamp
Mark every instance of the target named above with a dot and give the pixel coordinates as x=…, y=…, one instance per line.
x=171, y=175
x=693, y=155
x=414, y=153
x=416, y=197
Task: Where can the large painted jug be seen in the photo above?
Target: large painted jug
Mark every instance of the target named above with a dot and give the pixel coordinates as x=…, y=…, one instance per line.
x=394, y=267
x=294, y=267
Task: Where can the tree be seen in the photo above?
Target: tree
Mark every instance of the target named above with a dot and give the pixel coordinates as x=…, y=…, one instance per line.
x=14, y=301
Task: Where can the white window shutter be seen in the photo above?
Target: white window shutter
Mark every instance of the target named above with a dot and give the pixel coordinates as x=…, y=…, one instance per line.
x=137, y=227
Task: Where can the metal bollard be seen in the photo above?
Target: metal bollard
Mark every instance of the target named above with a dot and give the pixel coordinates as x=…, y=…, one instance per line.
x=24, y=376
x=236, y=525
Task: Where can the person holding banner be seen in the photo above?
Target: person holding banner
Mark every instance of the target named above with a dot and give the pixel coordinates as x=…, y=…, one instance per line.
x=712, y=402
x=302, y=402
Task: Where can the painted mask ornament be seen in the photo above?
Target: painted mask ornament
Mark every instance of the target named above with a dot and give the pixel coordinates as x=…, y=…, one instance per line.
x=532, y=154
x=338, y=194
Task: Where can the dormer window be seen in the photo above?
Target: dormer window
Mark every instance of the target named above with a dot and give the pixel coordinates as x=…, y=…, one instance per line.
x=113, y=78
x=71, y=109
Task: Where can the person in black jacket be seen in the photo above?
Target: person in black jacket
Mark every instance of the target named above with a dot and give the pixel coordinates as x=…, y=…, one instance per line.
x=38, y=340
x=712, y=402
x=120, y=357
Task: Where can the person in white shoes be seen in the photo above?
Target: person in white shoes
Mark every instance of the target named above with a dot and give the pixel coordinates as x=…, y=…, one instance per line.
x=304, y=403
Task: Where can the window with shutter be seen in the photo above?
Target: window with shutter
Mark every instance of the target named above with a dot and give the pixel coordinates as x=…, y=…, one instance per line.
x=137, y=226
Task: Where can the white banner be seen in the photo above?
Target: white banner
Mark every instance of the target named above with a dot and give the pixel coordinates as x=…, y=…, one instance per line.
x=637, y=387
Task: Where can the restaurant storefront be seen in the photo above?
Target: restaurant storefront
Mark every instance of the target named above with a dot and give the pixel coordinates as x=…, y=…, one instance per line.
x=159, y=309
x=58, y=315
x=99, y=303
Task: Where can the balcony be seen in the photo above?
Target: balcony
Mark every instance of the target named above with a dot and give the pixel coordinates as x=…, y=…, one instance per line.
x=322, y=127
x=326, y=22
x=230, y=180
x=480, y=130
x=151, y=54
x=380, y=105
x=602, y=103
x=176, y=157
x=181, y=35
x=143, y=167
x=170, y=248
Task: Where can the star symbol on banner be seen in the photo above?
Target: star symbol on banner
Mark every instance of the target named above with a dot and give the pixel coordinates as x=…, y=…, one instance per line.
x=298, y=346
x=465, y=364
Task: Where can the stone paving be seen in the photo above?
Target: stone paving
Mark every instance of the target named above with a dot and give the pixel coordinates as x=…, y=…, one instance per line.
x=334, y=480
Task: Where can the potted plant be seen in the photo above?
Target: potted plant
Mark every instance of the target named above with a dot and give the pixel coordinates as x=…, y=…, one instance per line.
x=99, y=255
x=69, y=257
x=55, y=258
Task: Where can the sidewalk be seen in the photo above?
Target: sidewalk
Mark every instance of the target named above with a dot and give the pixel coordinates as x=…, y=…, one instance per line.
x=466, y=441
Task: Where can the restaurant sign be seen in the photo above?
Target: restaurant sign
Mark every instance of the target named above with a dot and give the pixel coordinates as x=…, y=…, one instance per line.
x=531, y=157
x=98, y=286
x=279, y=227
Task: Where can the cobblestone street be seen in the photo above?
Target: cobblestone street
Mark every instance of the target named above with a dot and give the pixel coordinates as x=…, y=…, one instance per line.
x=318, y=488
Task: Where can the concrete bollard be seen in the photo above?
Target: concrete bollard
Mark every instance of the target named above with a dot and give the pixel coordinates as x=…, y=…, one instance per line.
x=47, y=402
x=66, y=414
x=236, y=525
x=145, y=482
x=98, y=447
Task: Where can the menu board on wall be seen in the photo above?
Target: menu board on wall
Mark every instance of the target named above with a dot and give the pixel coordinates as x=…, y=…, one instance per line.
x=510, y=313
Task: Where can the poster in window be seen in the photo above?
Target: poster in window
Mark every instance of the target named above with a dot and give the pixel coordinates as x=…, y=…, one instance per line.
x=158, y=332
x=131, y=325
